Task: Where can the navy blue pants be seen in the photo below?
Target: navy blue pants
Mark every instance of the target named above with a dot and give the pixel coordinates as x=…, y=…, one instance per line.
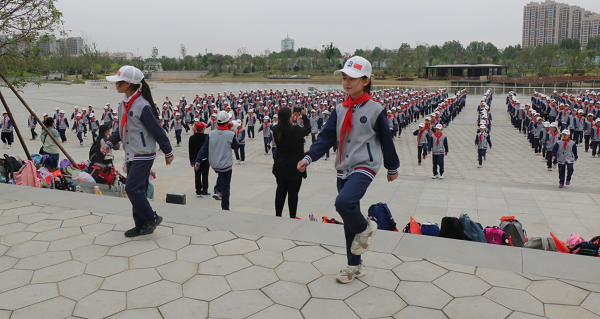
x=178, y=136
x=480, y=155
x=267, y=141
x=347, y=204
x=63, y=136
x=79, y=136
x=137, y=177
x=274, y=152
x=250, y=131
x=438, y=160
x=421, y=151
x=561, y=172
x=33, y=133
x=549, y=158
x=223, y=187
x=94, y=135
x=241, y=153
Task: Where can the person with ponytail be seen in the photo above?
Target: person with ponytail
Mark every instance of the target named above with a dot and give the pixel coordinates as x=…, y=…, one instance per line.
x=360, y=127
x=139, y=132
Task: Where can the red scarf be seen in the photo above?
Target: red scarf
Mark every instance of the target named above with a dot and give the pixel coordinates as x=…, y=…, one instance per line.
x=420, y=133
x=238, y=132
x=480, y=138
x=126, y=107
x=223, y=128
x=214, y=122
x=347, y=123
x=566, y=142
x=438, y=135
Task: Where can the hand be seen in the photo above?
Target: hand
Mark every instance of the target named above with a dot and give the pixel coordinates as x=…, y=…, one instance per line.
x=192, y=164
x=168, y=160
x=446, y=154
x=391, y=178
x=104, y=149
x=303, y=111
x=554, y=158
x=196, y=167
x=302, y=165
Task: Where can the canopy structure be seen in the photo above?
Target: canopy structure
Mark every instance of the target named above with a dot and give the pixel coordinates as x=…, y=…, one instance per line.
x=465, y=71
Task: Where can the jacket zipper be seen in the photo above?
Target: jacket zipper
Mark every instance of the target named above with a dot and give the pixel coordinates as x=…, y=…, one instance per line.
x=143, y=140
x=369, y=150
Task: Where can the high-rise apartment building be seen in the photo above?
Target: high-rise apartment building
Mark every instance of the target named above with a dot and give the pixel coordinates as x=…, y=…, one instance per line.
x=552, y=22
x=287, y=44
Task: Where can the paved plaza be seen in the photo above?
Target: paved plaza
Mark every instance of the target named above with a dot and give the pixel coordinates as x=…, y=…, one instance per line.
x=63, y=255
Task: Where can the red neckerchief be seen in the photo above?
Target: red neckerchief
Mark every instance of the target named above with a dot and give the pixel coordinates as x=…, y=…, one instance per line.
x=213, y=124
x=347, y=123
x=597, y=131
x=223, y=128
x=480, y=138
x=31, y=118
x=566, y=142
x=438, y=135
x=126, y=107
x=238, y=131
x=420, y=133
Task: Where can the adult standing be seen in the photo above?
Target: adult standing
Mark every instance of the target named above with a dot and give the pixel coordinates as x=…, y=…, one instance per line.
x=139, y=132
x=201, y=175
x=290, y=141
x=49, y=147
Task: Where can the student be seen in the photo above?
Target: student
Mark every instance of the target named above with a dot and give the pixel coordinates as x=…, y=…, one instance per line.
x=107, y=117
x=140, y=132
x=79, y=127
x=314, y=125
x=178, y=125
x=538, y=132
x=266, y=129
x=31, y=123
x=482, y=141
x=578, y=125
x=48, y=146
x=217, y=149
x=103, y=135
x=438, y=145
x=56, y=115
x=94, y=125
x=552, y=138
x=565, y=153
x=595, y=137
x=587, y=130
x=201, y=175
x=240, y=135
x=360, y=125
x=7, y=130
x=63, y=126
x=422, y=139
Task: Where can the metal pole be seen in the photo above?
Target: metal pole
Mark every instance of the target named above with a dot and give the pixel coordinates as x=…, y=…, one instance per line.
x=14, y=124
x=37, y=119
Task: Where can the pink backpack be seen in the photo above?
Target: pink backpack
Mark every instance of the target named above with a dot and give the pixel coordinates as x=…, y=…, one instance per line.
x=574, y=240
x=494, y=235
x=28, y=176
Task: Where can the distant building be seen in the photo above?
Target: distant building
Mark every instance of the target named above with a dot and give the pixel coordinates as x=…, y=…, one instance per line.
x=50, y=45
x=288, y=44
x=552, y=22
x=121, y=55
x=152, y=67
x=74, y=45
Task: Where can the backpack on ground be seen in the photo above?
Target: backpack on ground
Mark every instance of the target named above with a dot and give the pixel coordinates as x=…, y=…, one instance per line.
x=586, y=248
x=102, y=174
x=452, y=228
x=381, y=214
x=95, y=155
x=28, y=176
x=430, y=229
x=545, y=242
x=573, y=240
x=472, y=229
x=514, y=232
x=331, y=221
x=495, y=235
x=11, y=165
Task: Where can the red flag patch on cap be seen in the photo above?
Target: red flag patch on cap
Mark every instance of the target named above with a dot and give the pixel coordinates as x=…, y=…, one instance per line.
x=119, y=73
x=357, y=66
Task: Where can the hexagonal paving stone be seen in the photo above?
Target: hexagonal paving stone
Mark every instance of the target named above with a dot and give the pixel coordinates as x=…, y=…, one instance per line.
x=111, y=238
x=556, y=292
x=43, y=260
x=223, y=265
x=81, y=221
x=159, y=232
x=112, y=219
x=59, y=233
x=178, y=271
x=326, y=287
x=275, y=244
x=419, y=271
x=455, y=267
x=147, y=313
x=235, y=247
x=27, y=295
x=107, y=266
x=3, y=249
x=305, y=253
x=7, y=262
x=505, y=279
x=44, y=225
x=412, y=312
x=196, y=253
x=131, y=279
x=173, y=242
x=265, y=258
x=239, y=304
x=188, y=230
x=14, y=278
x=276, y=312
x=561, y=311
x=380, y=278
x=29, y=248
x=32, y=218
x=89, y=253
x=375, y=303
x=56, y=308
x=21, y=210
x=97, y=229
x=518, y=300
x=12, y=228
x=13, y=239
x=101, y=304
x=184, y=308
x=287, y=293
x=462, y=285
x=591, y=303
x=254, y=277
x=154, y=295
x=68, y=214
x=332, y=264
x=153, y=258
x=475, y=307
x=132, y=248
x=212, y=237
x=380, y=260
x=302, y=273
x=325, y=309
x=423, y=294
x=205, y=288
x=71, y=243
x=5, y=220
x=13, y=204
x=58, y=272
x=79, y=287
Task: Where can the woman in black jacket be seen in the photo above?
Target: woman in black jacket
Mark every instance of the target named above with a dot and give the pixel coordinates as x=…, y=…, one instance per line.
x=289, y=139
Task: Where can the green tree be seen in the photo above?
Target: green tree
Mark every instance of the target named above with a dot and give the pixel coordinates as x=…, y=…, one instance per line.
x=182, y=50
x=594, y=45
x=420, y=58
x=434, y=51
x=154, y=53
x=474, y=49
x=330, y=52
x=216, y=62
x=454, y=50
x=376, y=56
x=570, y=44
x=543, y=58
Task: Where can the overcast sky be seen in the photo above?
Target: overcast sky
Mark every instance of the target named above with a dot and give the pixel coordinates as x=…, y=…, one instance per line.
x=223, y=26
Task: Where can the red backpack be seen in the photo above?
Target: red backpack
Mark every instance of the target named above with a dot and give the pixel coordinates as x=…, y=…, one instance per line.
x=102, y=174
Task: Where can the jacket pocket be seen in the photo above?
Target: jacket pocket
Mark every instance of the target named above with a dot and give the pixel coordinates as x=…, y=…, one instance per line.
x=143, y=139
x=369, y=150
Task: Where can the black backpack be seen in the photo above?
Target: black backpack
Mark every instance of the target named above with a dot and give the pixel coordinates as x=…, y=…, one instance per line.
x=452, y=228
x=586, y=248
x=11, y=165
x=95, y=155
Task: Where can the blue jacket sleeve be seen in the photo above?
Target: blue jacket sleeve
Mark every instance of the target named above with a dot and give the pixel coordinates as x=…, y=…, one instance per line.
x=114, y=139
x=203, y=152
x=446, y=144
x=234, y=143
x=489, y=141
x=555, y=149
x=325, y=140
x=390, y=157
x=243, y=135
x=151, y=123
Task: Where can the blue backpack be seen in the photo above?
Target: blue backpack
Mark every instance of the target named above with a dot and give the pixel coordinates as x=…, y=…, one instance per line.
x=472, y=229
x=381, y=214
x=430, y=229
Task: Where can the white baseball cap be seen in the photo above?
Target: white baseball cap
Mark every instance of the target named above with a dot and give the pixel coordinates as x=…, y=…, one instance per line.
x=421, y=124
x=566, y=132
x=61, y=112
x=439, y=126
x=57, y=108
x=356, y=67
x=222, y=117
x=45, y=114
x=482, y=126
x=127, y=73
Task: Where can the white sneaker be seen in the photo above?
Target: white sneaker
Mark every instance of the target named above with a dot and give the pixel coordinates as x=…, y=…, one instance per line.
x=479, y=166
x=362, y=241
x=347, y=275
x=442, y=176
x=434, y=176
x=550, y=169
x=484, y=158
x=242, y=162
x=81, y=144
x=10, y=146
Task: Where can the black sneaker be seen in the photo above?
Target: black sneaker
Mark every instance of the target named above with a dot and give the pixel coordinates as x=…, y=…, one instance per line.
x=134, y=232
x=150, y=225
